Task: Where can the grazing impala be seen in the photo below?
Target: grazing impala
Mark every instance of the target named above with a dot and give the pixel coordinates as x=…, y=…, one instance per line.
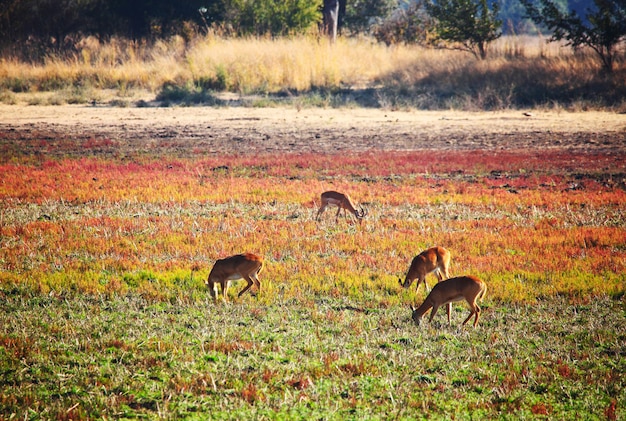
x=469, y=288
x=342, y=201
x=434, y=259
x=240, y=266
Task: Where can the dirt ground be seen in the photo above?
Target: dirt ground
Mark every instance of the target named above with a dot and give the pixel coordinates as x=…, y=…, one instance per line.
x=189, y=130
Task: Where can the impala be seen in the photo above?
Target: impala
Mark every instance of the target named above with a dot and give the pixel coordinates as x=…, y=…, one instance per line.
x=469, y=288
x=342, y=201
x=240, y=266
x=434, y=259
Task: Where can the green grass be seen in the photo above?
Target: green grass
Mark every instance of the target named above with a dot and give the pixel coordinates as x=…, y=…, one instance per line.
x=79, y=357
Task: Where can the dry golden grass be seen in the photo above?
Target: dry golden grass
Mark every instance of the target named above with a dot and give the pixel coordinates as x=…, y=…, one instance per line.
x=407, y=75
x=295, y=64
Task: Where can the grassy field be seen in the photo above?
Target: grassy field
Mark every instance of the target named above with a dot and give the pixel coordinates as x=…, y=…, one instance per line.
x=105, y=315
x=322, y=357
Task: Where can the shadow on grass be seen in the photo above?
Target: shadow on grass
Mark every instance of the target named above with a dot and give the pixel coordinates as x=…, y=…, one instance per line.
x=517, y=83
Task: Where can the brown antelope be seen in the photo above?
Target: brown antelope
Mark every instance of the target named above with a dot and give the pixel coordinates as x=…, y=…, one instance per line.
x=240, y=266
x=451, y=290
x=434, y=259
x=342, y=201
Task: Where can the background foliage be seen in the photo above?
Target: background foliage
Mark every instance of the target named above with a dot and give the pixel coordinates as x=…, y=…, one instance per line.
x=34, y=28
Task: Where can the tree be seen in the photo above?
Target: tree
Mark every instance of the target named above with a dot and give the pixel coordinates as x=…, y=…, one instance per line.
x=35, y=28
x=268, y=17
x=363, y=15
x=602, y=30
x=330, y=18
x=467, y=25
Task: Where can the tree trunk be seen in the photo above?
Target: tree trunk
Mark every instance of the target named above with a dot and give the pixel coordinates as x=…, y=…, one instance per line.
x=330, y=14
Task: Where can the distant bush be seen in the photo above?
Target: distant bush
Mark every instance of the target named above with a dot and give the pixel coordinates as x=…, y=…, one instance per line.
x=186, y=94
x=408, y=25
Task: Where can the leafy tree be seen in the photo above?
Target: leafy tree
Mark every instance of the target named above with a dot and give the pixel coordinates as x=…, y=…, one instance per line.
x=34, y=28
x=275, y=17
x=145, y=19
x=603, y=29
x=467, y=25
x=361, y=15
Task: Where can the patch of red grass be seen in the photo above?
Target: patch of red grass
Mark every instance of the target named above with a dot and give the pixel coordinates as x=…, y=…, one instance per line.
x=540, y=409
x=250, y=393
x=300, y=382
x=19, y=348
x=611, y=411
x=91, y=179
x=118, y=344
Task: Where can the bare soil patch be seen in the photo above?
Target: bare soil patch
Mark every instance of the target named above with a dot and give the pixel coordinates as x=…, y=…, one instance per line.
x=193, y=131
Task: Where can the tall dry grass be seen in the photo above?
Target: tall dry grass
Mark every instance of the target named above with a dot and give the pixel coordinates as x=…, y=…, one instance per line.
x=520, y=71
x=250, y=64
